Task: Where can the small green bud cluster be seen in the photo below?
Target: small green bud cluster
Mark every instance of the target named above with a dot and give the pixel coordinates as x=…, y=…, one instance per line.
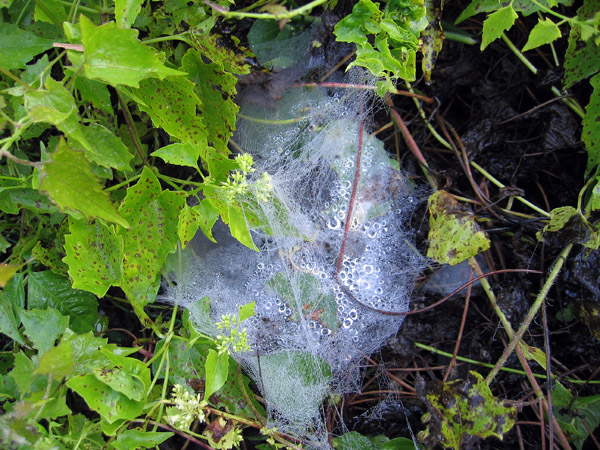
x=270, y=434
x=187, y=407
x=237, y=185
x=237, y=341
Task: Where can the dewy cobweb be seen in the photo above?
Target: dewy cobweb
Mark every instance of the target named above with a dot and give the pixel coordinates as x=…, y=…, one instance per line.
x=316, y=319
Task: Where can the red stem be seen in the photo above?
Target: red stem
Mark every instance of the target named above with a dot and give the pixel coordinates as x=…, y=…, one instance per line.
x=439, y=302
x=460, y=329
x=361, y=127
x=368, y=87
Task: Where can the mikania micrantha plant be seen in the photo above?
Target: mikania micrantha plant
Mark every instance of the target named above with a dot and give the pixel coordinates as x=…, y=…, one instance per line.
x=319, y=307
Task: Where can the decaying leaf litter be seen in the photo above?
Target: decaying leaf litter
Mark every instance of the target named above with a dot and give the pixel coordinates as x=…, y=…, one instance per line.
x=498, y=117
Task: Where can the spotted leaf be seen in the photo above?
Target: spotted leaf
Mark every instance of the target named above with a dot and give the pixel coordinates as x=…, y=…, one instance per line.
x=154, y=217
x=94, y=255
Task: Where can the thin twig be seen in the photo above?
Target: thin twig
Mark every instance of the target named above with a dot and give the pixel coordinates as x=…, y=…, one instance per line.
x=13, y=158
x=131, y=127
x=367, y=87
x=76, y=47
x=548, y=371
x=353, y=195
x=408, y=139
x=538, y=392
x=439, y=302
x=541, y=297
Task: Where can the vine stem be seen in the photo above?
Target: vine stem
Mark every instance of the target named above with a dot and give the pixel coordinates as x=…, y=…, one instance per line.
x=571, y=103
x=503, y=369
x=523, y=200
x=541, y=297
x=174, y=430
x=361, y=128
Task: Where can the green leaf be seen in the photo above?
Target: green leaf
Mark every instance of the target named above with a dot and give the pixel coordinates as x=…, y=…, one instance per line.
x=51, y=11
x=15, y=290
x=188, y=225
x=216, y=370
x=172, y=105
x=527, y=7
x=496, y=24
x=154, y=218
x=70, y=183
x=558, y=219
x=56, y=105
x=53, y=105
x=232, y=61
x=94, y=255
x=118, y=57
x=179, y=154
x=6, y=273
x=307, y=373
x=432, y=37
x=50, y=256
x=268, y=40
x=543, y=33
x=22, y=373
x=216, y=89
x=87, y=351
x=137, y=439
x=571, y=414
x=53, y=407
x=120, y=381
x=186, y=361
x=207, y=216
x=308, y=292
x=49, y=290
x=400, y=444
x=58, y=362
x=353, y=440
x=126, y=11
x=82, y=429
x=396, y=41
x=479, y=6
x=43, y=327
x=129, y=367
x=591, y=127
x=94, y=92
x=110, y=404
x=9, y=322
x=595, y=197
x=582, y=58
x=454, y=235
x=18, y=47
x=104, y=148
x=220, y=165
x=246, y=311
x=239, y=227
x=12, y=199
x=463, y=408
